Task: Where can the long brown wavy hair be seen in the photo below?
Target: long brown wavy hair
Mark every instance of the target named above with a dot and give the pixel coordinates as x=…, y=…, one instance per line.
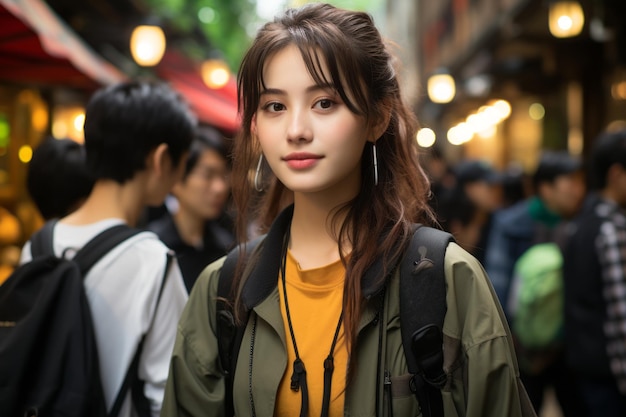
x=360, y=66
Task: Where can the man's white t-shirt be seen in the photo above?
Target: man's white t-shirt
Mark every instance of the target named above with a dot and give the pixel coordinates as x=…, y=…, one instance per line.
x=122, y=289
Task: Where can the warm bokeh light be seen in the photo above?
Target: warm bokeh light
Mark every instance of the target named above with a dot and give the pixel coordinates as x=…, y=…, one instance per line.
x=536, y=111
x=502, y=108
x=79, y=121
x=441, y=88
x=68, y=122
x=618, y=90
x=460, y=134
x=426, y=137
x=25, y=154
x=40, y=118
x=488, y=133
x=147, y=45
x=566, y=19
x=482, y=123
x=215, y=73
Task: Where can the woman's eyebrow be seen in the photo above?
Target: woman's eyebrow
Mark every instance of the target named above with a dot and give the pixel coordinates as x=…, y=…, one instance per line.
x=309, y=89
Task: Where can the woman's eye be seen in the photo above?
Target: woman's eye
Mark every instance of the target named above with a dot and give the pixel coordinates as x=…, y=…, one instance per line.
x=325, y=103
x=274, y=107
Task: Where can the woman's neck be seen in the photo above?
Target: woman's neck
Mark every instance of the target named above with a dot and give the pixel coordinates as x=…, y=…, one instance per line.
x=314, y=232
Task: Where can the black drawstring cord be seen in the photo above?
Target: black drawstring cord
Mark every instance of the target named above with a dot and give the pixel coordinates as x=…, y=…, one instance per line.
x=298, y=377
x=329, y=367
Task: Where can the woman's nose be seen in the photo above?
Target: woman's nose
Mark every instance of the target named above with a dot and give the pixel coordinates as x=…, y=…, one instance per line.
x=299, y=128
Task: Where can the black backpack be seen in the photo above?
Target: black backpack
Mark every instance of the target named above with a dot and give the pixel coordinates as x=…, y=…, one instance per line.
x=422, y=311
x=49, y=364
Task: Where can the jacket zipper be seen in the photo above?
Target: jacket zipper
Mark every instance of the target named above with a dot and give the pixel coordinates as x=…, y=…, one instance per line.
x=250, y=362
x=387, y=384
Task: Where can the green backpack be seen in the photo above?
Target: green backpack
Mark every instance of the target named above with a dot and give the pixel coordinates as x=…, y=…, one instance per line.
x=536, y=300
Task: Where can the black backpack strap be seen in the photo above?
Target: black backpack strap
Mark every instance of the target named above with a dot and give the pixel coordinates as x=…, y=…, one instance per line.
x=131, y=380
x=42, y=242
x=101, y=244
x=229, y=335
x=422, y=311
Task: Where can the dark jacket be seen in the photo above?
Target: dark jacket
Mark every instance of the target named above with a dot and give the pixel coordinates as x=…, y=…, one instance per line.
x=217, y=241
x=512, y=233
x=585, y=306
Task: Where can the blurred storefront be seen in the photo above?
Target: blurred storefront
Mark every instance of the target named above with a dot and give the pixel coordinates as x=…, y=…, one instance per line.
x=46, y=73
x=54, y=54
x=518, y=87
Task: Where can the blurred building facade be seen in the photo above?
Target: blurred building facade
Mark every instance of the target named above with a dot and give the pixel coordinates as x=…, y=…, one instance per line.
x=549, y=92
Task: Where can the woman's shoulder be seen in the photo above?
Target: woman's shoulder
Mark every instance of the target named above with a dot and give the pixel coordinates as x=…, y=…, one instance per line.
x=473, y=312
x=206, y=285
x=459, y=259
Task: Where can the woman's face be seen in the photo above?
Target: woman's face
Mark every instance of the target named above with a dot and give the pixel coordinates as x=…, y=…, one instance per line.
x=309, y=137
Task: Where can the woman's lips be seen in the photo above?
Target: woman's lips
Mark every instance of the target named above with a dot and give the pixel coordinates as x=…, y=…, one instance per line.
x=301, y=160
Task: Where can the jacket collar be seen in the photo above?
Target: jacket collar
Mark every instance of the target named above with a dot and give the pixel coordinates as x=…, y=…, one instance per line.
x=263, y=278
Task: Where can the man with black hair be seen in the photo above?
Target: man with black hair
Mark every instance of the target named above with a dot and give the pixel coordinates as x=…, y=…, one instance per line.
x=558, y=193
x=137, y=135
x=595, y=284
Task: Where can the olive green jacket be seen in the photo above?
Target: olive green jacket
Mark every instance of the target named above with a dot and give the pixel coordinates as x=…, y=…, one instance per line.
x=483, y=377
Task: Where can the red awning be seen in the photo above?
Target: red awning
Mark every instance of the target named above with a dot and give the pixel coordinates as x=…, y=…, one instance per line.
x=214, y=107
x=36, y=46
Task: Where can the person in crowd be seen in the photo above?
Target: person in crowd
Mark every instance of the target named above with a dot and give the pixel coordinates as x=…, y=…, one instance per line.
x=559, y=189
x=195, y=231
x=58, y=182
x=438, y=171
x=57, y=178
x=514, y=186
x=480, y=183
x=137, y=136
x=458, y=214
x=322, y=107
x=595, y=284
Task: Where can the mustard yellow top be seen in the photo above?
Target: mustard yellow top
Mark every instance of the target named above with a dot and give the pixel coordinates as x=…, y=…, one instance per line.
x=315, y=297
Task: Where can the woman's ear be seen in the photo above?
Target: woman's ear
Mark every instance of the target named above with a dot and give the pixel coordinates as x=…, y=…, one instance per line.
x=253, y=125
x=380, y=126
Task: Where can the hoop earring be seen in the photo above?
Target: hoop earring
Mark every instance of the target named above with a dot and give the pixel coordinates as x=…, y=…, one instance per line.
x=258, y=187
x=375, y=164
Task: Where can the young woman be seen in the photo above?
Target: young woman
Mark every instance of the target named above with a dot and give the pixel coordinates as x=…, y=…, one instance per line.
x=322, y=107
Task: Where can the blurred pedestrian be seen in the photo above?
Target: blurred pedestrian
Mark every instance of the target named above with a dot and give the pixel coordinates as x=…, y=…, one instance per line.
x=515, y=186
x=459, y=215
x=322, y=106
x=595, y=285
x=137, y=135
x=559, y=190
x=57, y=178
x=195, y=230
x=482, y=185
